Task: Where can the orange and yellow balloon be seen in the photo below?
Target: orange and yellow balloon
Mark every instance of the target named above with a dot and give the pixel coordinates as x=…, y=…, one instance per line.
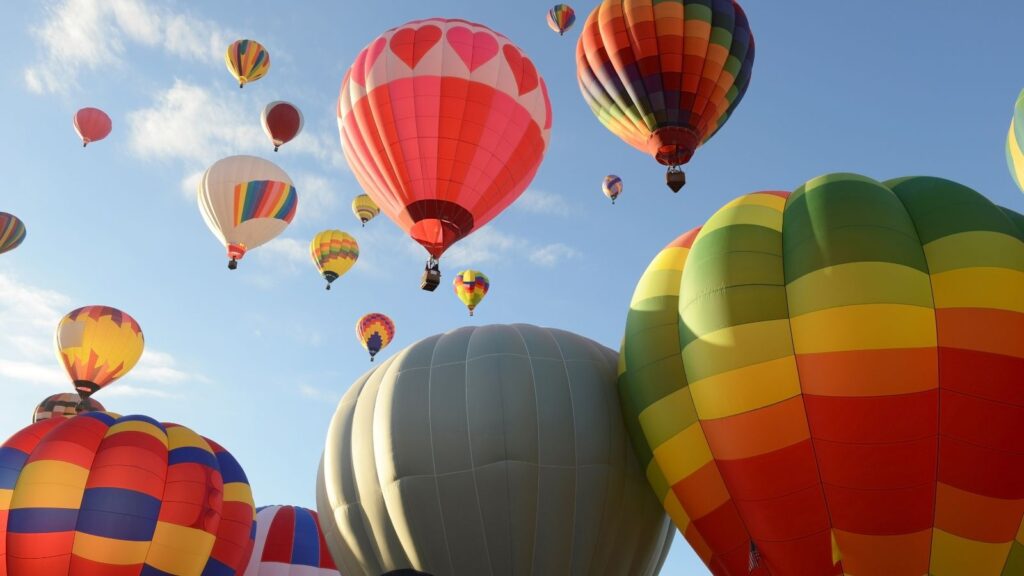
x=247, y=60
x=97, y=345
x=364, y=208
x=375, y=331
x=471, y=286
x=334, y=252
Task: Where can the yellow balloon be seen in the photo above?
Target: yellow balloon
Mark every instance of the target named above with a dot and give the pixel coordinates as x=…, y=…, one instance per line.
x=98, y=345
x=334, y=252
x=364, y=208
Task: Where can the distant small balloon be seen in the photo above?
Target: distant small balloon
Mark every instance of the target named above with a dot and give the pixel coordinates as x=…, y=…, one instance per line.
x=282, y=121
x=65, y=405
x=561, y=17
x=470, y=287
x=12, y=232
x=334, y=252
x=612, y=187
x=375, y=331
x=92, y=124
x=364, y=208
x=247, y=60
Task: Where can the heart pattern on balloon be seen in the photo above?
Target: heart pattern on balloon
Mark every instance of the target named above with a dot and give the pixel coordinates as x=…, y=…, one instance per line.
x=522, y=69
x=366, y=60
x=412, y=44
x=474, y=49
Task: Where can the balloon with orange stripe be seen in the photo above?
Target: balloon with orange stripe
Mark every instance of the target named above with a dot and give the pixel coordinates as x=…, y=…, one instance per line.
x=103, y=495
x=829, y=381
x=97, y=345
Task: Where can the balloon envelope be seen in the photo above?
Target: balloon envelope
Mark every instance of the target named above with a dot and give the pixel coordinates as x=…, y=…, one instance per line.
x=12, y=232
x=364, y=208
x=375, y=331
x=1015, y=143
x=665, y=76
x=289, y=542
x=820, y=373
x=246, y=202
x=444, y=123
x=247, y=60
x=92, y=124
x=612, y=187
x=334, y=252
x=97, y=345
x=282, y=122
x=65, y=405
x=561, y=17
x=470, y=287
x=101, y=494
x=492, y=450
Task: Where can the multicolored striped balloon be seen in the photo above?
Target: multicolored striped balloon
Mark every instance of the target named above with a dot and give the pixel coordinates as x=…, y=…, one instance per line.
x=334, y=252
x=829, y=381
x=364, y=208
x=561, y=17
x=1015, y=143
x=64, y=405
x=247, y=60
x=375, y=331
x=289, y=542
x=102, y=495
x=612, y=187
x=12, y=232
x=665, y=76
x=97, y=345
x=246, y=202
x=470, y=287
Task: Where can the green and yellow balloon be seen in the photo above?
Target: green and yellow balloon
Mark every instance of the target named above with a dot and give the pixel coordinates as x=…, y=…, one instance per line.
x=334, y=252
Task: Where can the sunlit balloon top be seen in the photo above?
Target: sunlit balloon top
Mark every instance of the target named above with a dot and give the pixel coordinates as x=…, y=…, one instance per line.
x=444, y=123
x=97, y=345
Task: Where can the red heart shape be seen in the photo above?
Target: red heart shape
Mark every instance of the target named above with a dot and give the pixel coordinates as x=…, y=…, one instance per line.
x=412, y=44
x=364, y=62
x=522, y=69
x=474, y=49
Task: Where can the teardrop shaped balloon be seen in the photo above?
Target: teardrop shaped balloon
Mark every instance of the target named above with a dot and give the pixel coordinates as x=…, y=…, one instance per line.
x=364, y=208
x=65, y=405
x=92, y=124
x=246, y=202
x=334, y=253
x=282, y=121
x=444, y=124
x=665, y=76
x=1015, y=143
x=247, y=60
x=561, y=17
x=97, y=345
x=470, y=287
x=12, y=232
x=612, y=187
x=375, y=331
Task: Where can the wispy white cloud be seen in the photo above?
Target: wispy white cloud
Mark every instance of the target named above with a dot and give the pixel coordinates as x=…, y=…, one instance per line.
x=552, y=254
x=318, y=197
x=313, y=393
x=286, y=253
x=540, y=202
x=87, y=35
x=491, y=245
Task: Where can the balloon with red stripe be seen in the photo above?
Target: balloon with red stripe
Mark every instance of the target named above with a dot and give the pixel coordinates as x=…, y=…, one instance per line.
x=107, y=495
x=289, y=542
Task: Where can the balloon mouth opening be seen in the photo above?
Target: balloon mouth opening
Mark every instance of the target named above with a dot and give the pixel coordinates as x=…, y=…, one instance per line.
x=235, y=253
x=85, y=388
x=330, y=277
x=437, y=224
x=673, y=145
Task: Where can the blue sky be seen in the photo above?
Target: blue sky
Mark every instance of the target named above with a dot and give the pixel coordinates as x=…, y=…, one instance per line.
x=258, y=358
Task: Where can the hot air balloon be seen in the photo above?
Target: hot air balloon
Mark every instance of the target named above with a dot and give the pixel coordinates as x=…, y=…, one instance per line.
x=246, y=202
x=289, y=542
x=561, y=17
x=612, y=187
x=364, y=208
x=783, y=369
x=375, y=331
x=1015, y=143
x=470, y=287
x=504, y=453
x=103, y=494
x=334, y=252
x=247, y=60
x=665, y=76
x=92, y=124
x=444, y=123
x=12, y=232
x=64, y=405
x=97, y=345
x=282, y=122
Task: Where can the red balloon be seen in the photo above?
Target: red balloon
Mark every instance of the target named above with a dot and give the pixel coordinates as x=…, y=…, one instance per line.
x=282, y=122
x=92, y=124
x=444, y=123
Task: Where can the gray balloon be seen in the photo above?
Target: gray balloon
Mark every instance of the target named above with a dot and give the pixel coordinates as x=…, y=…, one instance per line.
x=497, y=450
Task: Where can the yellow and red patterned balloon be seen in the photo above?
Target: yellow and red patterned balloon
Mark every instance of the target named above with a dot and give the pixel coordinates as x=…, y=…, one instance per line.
x=364, y=208
x=247, y=60
x=334, y=252
x=375, y=331
x=471, y=286
x=97, y=345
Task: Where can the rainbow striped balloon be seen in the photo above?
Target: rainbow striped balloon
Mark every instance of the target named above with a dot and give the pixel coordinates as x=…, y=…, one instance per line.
x=830, y=380
x=561, y=18
x=334, y=252
x=375, y=331
x=289, y=542
x=247, y=60
x=1015, y=143
x=12, y=232
x=102, y=495
x=470, y=287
